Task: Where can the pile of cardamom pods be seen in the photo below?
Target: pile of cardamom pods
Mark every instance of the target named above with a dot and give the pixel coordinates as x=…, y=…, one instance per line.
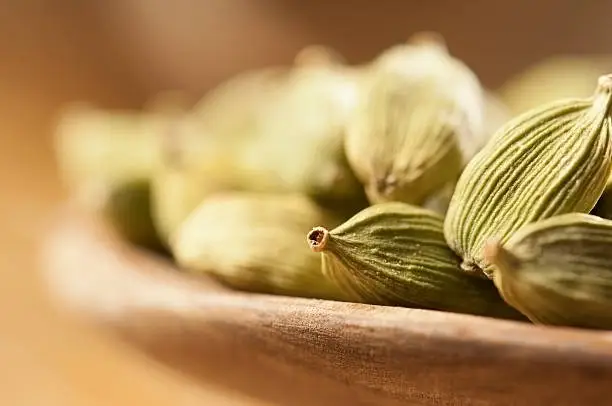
x=400, y=182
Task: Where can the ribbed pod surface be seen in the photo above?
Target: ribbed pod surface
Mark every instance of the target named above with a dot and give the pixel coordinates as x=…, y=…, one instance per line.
x=395, y=254
x=558, y=271
x=549, y=161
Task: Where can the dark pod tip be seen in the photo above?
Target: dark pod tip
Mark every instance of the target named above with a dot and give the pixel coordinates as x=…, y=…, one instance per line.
x=381, y=188
x=317, y=239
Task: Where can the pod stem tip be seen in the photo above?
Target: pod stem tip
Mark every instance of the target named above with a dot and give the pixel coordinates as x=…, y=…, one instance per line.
x=317, y=239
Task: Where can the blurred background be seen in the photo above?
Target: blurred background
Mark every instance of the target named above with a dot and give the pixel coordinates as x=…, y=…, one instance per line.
x=117, y=54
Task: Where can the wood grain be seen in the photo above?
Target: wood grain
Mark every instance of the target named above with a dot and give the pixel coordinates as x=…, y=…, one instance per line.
x=313, y=352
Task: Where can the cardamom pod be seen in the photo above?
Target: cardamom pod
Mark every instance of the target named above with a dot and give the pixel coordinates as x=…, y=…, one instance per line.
x=558, y=271
x=91, y=143
x=255, y=242
x=420, y=113
x=193, y=165
x=106, y=160
x=128, y=209
x=549, y=161
x=234, y=108
x=395, y=254
x=286, y=137
x=200, y=147
x=495, y=115
x=305, y=134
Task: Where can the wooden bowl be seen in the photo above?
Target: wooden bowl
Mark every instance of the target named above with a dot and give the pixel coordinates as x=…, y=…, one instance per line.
x=313, y=352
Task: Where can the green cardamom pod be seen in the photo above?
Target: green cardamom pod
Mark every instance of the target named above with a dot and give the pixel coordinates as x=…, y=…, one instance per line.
x=234, y=107
x=549, y=161
x=255, y=242
x=419, y=119
x=558, y=271
x=395, y=254
x=91, y=143
x=193, y=166
x=283, y=135
x=128, y=208
x=106, y=160
x=495, y=115
x=305, y=133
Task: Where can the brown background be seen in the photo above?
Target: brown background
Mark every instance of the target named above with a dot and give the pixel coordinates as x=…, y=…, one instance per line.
x=118, y=53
